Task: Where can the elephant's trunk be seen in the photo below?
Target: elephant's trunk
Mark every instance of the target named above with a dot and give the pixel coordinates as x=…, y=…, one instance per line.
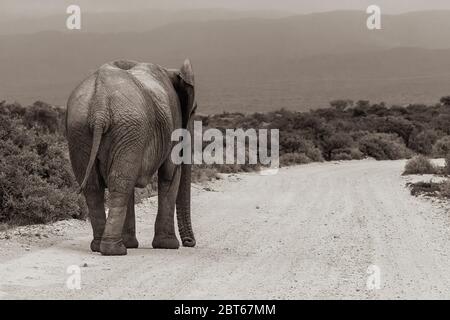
x=184, y=207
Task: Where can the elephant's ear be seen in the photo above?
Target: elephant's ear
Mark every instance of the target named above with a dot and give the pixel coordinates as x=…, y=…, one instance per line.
x=187, y=74
x=183, y=82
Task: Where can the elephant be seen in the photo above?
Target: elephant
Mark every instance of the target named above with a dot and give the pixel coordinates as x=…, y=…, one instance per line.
x=119, y=123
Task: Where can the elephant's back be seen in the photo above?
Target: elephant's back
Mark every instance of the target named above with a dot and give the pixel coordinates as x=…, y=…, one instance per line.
x=155, y=82
x=77, y=108
x=139, y=105
x=140, y=97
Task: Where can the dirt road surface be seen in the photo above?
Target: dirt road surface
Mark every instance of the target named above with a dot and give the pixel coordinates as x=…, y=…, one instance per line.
x=308, y=232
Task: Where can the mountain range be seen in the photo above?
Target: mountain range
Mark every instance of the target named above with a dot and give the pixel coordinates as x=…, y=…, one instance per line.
x=246, y=62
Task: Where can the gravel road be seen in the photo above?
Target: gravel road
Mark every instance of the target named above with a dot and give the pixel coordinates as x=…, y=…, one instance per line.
x=307, y=232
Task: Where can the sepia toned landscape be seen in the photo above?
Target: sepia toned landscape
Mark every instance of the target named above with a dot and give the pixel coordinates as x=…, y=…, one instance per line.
x=358, y=207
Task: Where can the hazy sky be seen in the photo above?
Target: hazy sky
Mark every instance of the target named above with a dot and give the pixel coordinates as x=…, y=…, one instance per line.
x=45, y=7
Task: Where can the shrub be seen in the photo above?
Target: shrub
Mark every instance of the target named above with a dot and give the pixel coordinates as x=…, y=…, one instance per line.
x=44, y=117
x=395, y=125
x=340, y=156
x=314, y=154
x=289, y=159
x=356, y=154
x=447, y=164
x=425, y=188
x=334, y=143
x=423, y=141
x=433, y=189
x=442, y=147
x=347, y=154
x=341, y=105
x=290, y=143
x=383, y=146
x=36, y=180
x=441, y=122
x=419, y=165
x=445, y=189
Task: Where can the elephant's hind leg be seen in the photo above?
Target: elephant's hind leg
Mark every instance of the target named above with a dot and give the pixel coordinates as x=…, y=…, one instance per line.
x=121, y=182
x=168, y=182
x=112, y=242
x=94, y=192
x=129, y=228
x=95, y=198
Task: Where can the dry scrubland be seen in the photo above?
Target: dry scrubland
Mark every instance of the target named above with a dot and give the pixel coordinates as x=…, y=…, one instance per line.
x=37, y=184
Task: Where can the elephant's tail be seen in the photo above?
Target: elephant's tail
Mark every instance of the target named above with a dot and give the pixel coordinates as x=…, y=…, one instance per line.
x=98, y=121
x=98, y=132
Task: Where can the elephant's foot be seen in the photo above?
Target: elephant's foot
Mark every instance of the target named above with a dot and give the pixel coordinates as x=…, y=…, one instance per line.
x=95, y=245
x=165, y=242
x=130, y=242
x=188, y=241
x=113, y=248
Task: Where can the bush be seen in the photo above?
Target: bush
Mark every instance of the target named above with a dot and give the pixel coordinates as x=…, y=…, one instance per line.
x=315, y=154
x=44, y=117
x=347, y=154
x=335, y=142
x=290, y=143
x=445, y=189
x=340, y=105
x=442, y=147
x=36, y=180
x=422, y=141
x=395, y=125
x=447, y=164
x=419, y=165
x=431, y=189
x=289, y=159
x=356, y=154
x=383, y=146
x=340, y=156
